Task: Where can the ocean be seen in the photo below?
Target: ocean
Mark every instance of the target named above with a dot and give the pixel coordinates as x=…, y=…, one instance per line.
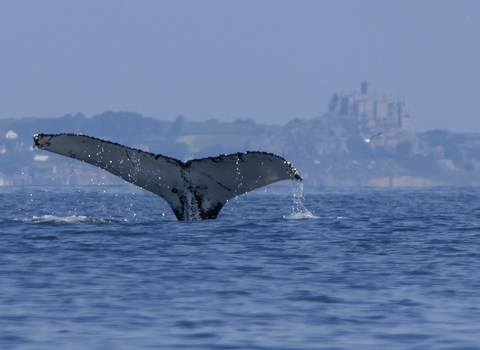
x=286, y=267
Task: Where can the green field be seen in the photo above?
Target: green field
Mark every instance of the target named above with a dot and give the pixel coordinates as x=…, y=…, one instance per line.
x=198, y=142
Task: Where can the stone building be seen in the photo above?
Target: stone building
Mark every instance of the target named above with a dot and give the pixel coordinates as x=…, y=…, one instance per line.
x=372, y=109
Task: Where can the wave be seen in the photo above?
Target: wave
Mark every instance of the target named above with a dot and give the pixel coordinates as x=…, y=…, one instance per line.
x=305, y=214
x=69, y=219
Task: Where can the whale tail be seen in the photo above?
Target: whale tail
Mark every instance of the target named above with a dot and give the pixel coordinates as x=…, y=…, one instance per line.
x=195, y=190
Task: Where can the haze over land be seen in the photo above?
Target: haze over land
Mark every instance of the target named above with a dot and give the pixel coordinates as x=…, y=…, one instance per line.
x=328, y=150
x=269, y=61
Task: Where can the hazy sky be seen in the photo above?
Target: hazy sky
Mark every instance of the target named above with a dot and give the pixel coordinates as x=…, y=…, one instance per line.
x=271, y=61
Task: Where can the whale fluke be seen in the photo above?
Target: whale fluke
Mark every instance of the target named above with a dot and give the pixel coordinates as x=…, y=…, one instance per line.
x=195, y=190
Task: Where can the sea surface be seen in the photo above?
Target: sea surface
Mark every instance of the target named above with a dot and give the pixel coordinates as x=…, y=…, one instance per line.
x=109, y=267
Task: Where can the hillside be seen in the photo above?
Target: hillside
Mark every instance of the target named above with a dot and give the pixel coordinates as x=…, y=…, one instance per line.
x=328, y=150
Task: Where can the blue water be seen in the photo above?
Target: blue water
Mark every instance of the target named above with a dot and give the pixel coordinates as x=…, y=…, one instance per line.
x=111, y=268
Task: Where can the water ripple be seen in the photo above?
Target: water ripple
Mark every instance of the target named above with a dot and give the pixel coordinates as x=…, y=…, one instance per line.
x=375, y=269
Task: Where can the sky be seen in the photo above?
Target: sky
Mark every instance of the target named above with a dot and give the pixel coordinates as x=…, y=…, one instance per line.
x=271, y=61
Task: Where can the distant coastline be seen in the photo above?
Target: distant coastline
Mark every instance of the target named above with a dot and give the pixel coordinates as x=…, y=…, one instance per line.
x=328, y=150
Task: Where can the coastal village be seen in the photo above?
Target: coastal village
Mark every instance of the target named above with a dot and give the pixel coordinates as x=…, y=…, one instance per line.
x=328, y=150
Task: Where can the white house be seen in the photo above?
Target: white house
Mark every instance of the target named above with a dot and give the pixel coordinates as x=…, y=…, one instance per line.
x=11, y=135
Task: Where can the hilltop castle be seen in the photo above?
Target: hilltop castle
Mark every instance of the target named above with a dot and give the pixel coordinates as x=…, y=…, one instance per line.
x=374, y=110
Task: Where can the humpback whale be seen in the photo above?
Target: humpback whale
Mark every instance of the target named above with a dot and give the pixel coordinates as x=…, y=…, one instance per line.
x=195, y=190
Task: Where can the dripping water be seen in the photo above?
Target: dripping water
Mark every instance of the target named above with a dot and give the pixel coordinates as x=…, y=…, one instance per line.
x=238, y=179
x=299, y=211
